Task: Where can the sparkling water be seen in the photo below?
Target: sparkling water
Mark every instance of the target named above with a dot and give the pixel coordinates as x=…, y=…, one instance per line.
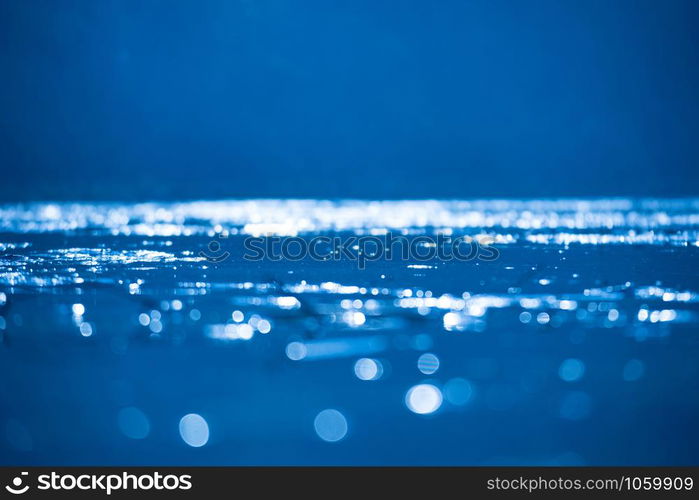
x=138, y=334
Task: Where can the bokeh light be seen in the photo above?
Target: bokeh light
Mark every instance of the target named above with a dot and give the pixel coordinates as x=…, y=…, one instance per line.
x=194, y=430
x=423, y=399
x=368, y=369
x=330, y=425
x=428, y=363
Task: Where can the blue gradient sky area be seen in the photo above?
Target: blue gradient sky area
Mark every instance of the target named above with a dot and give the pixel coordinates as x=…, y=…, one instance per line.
x=372, y=99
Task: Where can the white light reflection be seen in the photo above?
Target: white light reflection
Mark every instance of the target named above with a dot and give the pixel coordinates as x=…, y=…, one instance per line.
x=330, y=425
x=451, y=321
x=336, y=348
x=368, y=369
x=229, y=331
x=288, y=302
x=144, y=319
x=354, y=318
x=423, y=399
x=85, y=329
x=194, y=430
x=264, y=326
x=296, y=351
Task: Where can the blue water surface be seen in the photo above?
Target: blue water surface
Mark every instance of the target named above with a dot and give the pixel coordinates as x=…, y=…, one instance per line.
x=124, y=342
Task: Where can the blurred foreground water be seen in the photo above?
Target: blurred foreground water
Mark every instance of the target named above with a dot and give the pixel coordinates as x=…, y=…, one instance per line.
x=122, y=344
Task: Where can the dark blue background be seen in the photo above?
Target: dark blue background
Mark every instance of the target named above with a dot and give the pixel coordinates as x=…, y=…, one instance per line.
x=376, y=99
